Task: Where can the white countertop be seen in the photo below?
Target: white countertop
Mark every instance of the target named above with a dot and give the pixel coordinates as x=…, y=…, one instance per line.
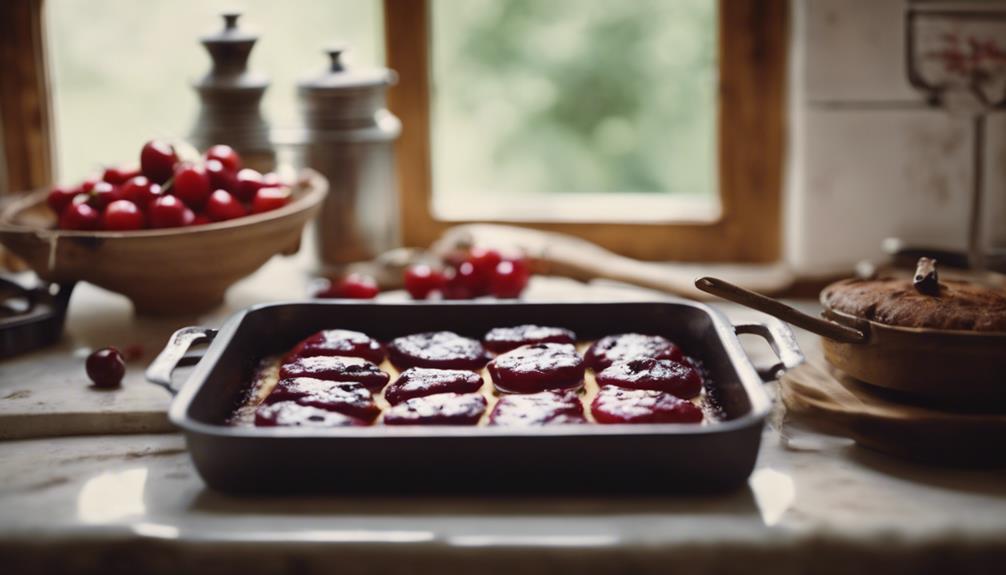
x=134, y=503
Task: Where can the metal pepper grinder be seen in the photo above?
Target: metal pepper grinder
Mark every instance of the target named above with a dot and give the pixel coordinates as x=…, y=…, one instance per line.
x=349, y=137
x=231, y=96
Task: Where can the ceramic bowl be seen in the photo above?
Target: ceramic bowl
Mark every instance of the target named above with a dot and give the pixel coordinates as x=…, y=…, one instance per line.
x=163, y=271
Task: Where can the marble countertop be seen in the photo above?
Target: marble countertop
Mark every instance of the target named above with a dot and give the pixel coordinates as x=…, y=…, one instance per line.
x=134, y=503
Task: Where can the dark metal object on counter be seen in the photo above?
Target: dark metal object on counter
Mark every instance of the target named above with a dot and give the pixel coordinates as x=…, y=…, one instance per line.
x=31, y=317
x=629, y=458
x=927, y=279
x=231, y=95
x=349, y=137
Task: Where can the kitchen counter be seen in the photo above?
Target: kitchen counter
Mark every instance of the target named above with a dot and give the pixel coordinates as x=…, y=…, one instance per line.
x=132, y=502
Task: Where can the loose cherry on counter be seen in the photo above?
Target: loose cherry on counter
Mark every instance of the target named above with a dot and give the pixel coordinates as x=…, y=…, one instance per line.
x=353, y=286
x=191, y=185
x=422, y=280
x=122, y=215
x=226, y=155
x=270, y=198
x=509, y=278
x=157, y=161
x=222, y=206
x=170, y=212
x=79, y=216
x=106, y=368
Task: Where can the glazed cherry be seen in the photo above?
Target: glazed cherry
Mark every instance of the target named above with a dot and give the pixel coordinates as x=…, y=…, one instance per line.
x=118, y=175
x=221, y=178
x=79, y=216
x=157, y=161
x=191, y=185
x=170, y=212
x=226, y=156
x=421, y=280
x=246, y=183
x=60, y=197
x=268, y=199
x=353, y=286
x=106, y=367
x=122, y=215
x=223, y=206
x=141, y=191
x=104, y=194
x=509, y=278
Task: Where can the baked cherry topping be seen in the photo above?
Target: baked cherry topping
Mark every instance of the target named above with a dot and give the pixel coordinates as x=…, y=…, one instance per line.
x=439, y=349
x=157, y=161
x=503, y=339
x=544, y=408
x=537, y=367
x=122, y=215
x=222, y=206
x=615, y=404
x=226, y=155
x=440, y=409
x=612, y=348
x=349, y=398
x=79, y=216
x=331, y=368
x=423, y=381
x=422, y=280
x=105, y=367
x=293, y=414
x=169, y=212
x=191, y=185
x=339, y=342
x=677, y=378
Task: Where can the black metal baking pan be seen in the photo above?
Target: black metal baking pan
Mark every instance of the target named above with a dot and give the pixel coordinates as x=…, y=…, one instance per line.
x=622, y=458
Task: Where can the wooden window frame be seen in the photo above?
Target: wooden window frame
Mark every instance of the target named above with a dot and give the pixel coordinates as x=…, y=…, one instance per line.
x=752, y=43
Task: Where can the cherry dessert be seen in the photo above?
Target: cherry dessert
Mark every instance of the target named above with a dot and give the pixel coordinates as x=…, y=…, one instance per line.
x=677, y=378
x=503, y=339
x=615, y=404
x=423, y=381
x=544, y=408
x=440, y=409
x=336, y=369
x=612, y=348
x=537, y=367
x=293, y=414
x=105, y=367
x=439, y=349
x=339, y=342
x=348, y=398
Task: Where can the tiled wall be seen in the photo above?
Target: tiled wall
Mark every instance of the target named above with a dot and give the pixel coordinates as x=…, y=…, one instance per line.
x=868, y=159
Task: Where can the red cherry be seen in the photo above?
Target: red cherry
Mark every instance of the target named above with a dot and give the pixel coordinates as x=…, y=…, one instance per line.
x=221, y=178
x=223, y=206
x=60, y=197
x=484, y=260
x=106, y=367
x=457, y=286
x=248, y=182
x=103, y=194
x=353, y=286
x=79, y=216
x=157, y=161
x=267, y=199
x=122, y=215
x=421, y=280
x=170, y=212
x=141, y=191
x=226, y=156
x=87, y=185
x=509, y=278
x=191, y=185
x=118, y=175
x=201, y=220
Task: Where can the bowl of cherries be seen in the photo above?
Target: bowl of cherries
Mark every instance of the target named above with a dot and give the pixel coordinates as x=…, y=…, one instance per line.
x=171, y=233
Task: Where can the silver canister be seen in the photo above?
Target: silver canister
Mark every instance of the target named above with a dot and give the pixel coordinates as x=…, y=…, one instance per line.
x=349, y=137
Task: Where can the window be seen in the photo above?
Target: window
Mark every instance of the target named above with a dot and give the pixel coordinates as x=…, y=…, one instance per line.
x=722, y=200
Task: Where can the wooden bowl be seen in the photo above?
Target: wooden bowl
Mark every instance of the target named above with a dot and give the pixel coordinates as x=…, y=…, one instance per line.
x=163, y=271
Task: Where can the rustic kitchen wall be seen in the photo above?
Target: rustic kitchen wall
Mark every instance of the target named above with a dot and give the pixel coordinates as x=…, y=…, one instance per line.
x=868, y=158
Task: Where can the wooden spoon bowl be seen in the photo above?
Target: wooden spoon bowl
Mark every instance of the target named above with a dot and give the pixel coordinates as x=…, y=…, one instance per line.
x=163, y=271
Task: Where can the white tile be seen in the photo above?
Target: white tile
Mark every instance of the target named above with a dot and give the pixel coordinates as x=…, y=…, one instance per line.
x=854, y=50
x=868, y=175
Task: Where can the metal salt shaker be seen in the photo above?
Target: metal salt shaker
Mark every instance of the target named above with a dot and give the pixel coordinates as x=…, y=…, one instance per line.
x=349, y=137
x=231, y=96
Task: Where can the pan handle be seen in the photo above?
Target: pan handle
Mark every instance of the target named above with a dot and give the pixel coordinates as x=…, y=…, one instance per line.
x=782, y=341
x=777, y=309
x=173, y=355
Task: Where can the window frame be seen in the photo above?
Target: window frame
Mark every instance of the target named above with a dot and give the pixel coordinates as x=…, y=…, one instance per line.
x=752, y=43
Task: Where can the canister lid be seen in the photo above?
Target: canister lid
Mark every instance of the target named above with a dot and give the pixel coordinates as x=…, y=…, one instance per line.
x=229, y=49
x=339, y=77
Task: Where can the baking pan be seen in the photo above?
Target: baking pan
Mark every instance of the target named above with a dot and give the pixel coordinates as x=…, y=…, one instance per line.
x=623, y=458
